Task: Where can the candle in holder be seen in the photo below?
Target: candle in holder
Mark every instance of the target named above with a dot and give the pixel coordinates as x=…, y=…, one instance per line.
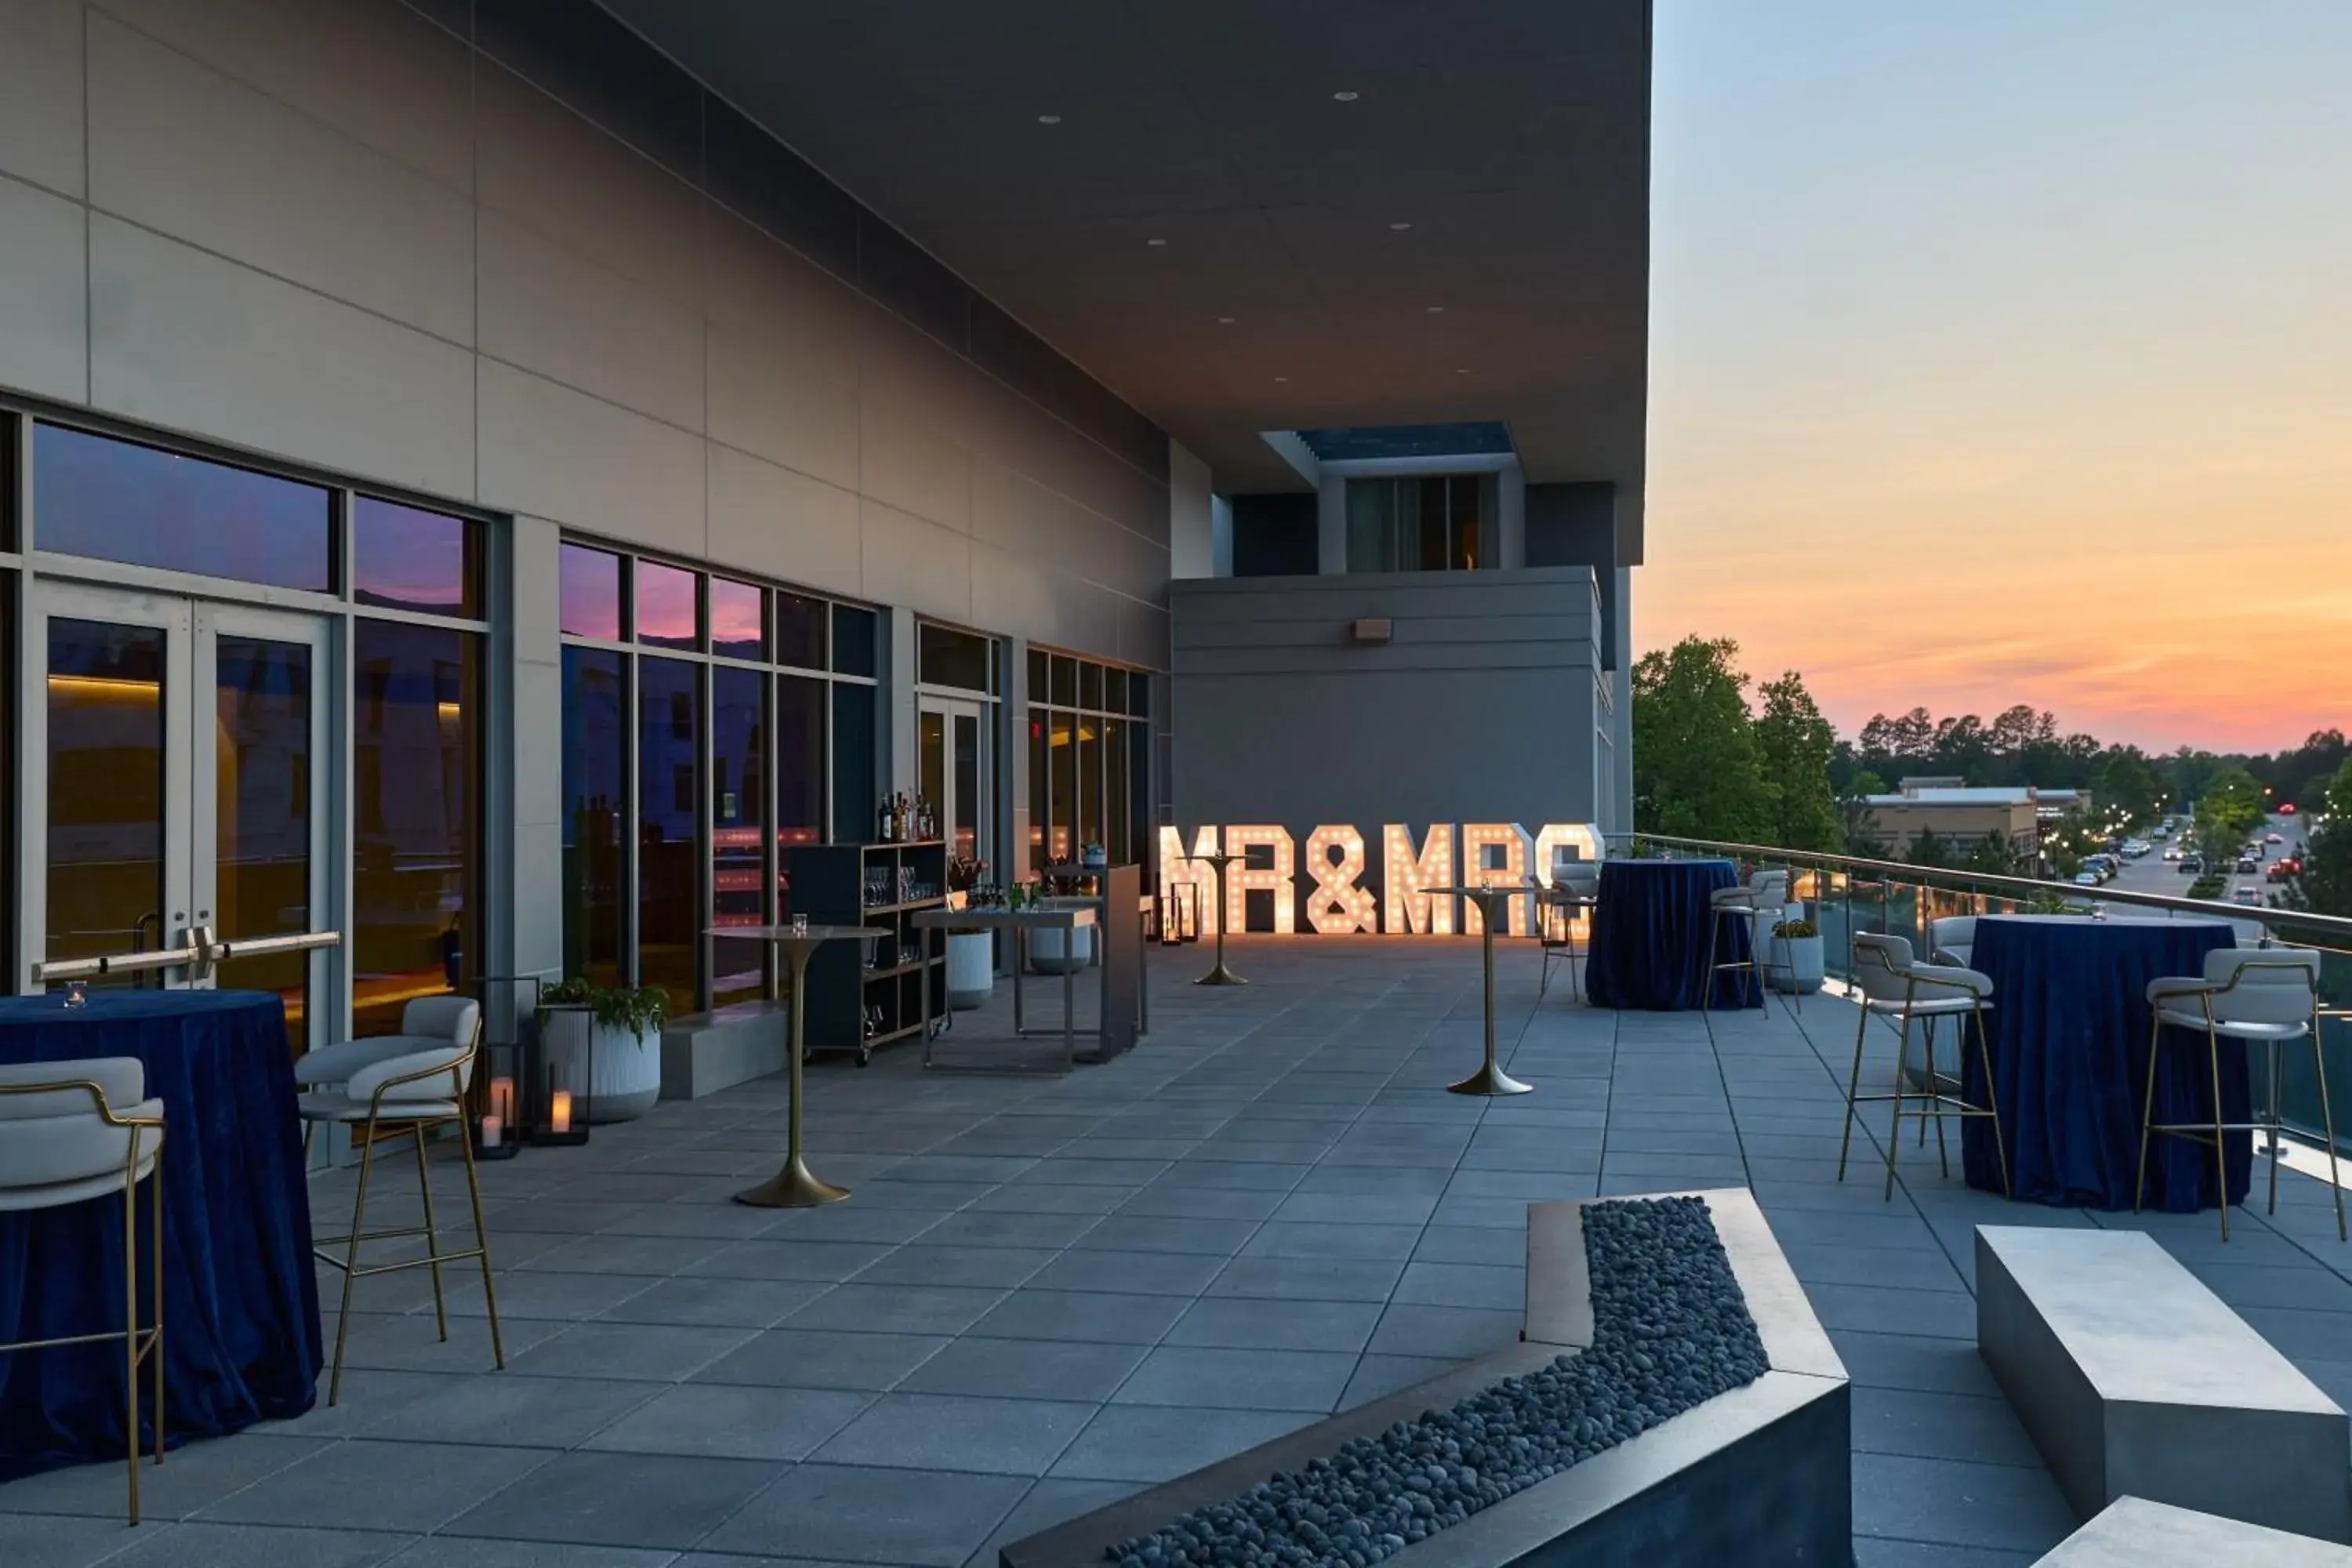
x=558, y=1111
x=502, y=1100
x=493, y=1130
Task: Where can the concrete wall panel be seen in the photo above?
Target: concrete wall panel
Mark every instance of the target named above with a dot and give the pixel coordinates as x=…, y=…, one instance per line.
x=41, y=92
x=779, y=522
x=910, y=562
x=548, y=309
x=45, y=304
x=177, y=147
x=193, y=342
x=588, y=464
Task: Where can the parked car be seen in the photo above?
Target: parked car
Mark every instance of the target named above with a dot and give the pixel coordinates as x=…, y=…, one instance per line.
x=2172, y=852
x=2192, y=865
x=2246, y=896
x=2086, y=878
x=2280, y=871
x=2247, y=866
x=2286, y=808
x=2274, y=838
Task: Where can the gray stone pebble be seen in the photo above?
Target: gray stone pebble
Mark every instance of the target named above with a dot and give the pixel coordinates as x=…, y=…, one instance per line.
x=1670, y=1331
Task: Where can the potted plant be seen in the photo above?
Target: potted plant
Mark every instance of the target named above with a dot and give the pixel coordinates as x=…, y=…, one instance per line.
x=624, y=1043
x=1793, y=958
x=972, y=955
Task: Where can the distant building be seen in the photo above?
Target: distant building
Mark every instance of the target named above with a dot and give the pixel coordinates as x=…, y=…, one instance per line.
x=1960, y=814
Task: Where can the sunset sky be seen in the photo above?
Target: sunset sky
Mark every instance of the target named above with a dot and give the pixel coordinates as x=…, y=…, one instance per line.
x=2001, y=351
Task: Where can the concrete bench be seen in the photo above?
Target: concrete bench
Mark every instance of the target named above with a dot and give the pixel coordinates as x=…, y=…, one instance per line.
x=2138, y=1534
x=702, y=1053
x=1759, y=1474
x=2133, y=1379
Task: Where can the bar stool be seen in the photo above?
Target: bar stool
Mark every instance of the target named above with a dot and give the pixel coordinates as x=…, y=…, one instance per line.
x=1952, y=940
x=1894, y=986
x=1574, y=894
x=387, y=1085
x=62, y=1141
x=2264, y=995
x=1764, y=891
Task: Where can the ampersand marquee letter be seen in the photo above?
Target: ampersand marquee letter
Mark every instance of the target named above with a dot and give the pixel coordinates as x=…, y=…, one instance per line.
x=1509, y=869
x=1336, y=906
x=1243, y=878
x=1404, y=875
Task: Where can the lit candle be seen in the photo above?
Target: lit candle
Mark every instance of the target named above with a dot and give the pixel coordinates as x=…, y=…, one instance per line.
x=493, y=1129
x=558, y=1111
x=502, y=1098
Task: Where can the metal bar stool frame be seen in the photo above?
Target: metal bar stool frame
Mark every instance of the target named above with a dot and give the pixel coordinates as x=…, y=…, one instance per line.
x=1746, y=906
x=1936, y=1104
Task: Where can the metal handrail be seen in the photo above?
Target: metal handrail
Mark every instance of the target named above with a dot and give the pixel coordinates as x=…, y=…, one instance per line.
x=2337, y=926
x=203, y=953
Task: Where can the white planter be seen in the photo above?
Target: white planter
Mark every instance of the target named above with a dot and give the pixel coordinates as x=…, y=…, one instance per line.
x=971, y=969
x=1796, y=964
x=1055, y=949
x=624, y=1073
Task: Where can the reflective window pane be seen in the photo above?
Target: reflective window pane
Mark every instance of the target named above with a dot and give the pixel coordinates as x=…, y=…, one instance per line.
x=416, y=818
x=591, y=586
x=739, y=789
x=1114, y=692
x=856, y=797
x=735, y=620
x=1090, y=686
x=1138, y=694
x=1061, y=846
x=404, y=558
x=1036, y=693
x=261, y=813
x=1090, y=779
x=106, y=790
x=800, y=767
x=1040, y=771
x=1115, y=776
x=951, y=658
x=800, y=630
x=853, y=640
x=1065, y=681
x=594, y=806
x=669, y=797
x=114, y=501
x=667, y=615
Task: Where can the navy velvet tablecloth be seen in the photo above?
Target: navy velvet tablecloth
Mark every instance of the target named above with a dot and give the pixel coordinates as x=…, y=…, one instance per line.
x=240, y=1298
x=1653, y=935
x=2069, y=1042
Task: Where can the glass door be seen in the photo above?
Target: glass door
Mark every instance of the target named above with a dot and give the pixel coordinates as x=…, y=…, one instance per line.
x=953, y=771
x=177, y=804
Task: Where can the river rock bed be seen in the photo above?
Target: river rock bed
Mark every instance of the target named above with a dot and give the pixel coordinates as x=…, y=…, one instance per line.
x=1671, y=1329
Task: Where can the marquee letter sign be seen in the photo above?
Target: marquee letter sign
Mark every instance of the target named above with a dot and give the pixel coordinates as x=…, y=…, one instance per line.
x=1405, y=877
x=1179, y=869
x=1336, y=906
x=1507, y=867
x=1243, y=878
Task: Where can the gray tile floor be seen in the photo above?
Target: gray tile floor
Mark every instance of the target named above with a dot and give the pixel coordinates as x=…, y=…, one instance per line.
x=1047, y=1293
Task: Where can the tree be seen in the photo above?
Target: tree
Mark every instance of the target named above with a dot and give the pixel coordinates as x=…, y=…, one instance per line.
x=1992, y=853
x=1697, y=771
x=2325, y=888
x=1854, y=811
x=1929, y=848
x=1796, y=745
x=2230, y=807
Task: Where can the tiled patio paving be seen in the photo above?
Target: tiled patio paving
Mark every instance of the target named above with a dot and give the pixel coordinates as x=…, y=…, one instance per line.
x=1047, y=1291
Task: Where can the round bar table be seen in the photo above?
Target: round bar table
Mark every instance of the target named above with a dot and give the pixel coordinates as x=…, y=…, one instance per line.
x=795, y=1186
x=1653, y=937
x=1220, y=975
x=1493, y=903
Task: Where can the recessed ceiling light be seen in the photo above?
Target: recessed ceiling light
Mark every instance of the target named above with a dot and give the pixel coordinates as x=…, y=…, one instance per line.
x=1225, y=320
x=1434, y=309
x=1345, y=96
x=1049, y=119
x=1155, y=242
x=1399, y=228
x=1282, y=378
x=1462, y=372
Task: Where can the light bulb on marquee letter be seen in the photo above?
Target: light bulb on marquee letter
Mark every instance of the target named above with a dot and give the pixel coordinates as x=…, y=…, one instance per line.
x=1585, y=838
x=1512, y=840
x=1336, y=906
x=1179, y=869
x=1242, y=878
x=1404, y=875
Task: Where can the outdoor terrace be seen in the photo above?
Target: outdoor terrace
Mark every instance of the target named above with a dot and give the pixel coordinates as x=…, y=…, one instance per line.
x=1045, y=1292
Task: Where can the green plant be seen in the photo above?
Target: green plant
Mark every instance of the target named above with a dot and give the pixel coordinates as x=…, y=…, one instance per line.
x=2047, y=902
x=638, y=1009
x=1795, y=930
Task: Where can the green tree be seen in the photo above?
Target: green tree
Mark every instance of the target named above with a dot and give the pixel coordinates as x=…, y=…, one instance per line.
x=1796, y=745
x=1992, y=853
x=1929, y=848
x=2325, y=888
x=2230, y=808
x=1854, y=811
x=1697, y=771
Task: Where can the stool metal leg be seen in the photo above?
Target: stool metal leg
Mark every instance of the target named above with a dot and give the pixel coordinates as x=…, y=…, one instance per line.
x=1852, y=1088
x=2221, y=1155
x=432, y=1234
x=1934, y=1084
x=482, y=1242
x=1993, y=1092
x=2270, y=1114
x=2147, y=1113
x=352, y=1263
x=2327, y=1126
x=1895, y=1134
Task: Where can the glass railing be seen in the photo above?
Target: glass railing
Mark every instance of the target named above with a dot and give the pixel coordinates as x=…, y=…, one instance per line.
x=1844, y=895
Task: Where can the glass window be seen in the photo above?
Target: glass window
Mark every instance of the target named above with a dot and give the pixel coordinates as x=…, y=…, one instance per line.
x=416, y=819
x=1429, y=523
x=1090, y=686
x=1064, y=681
x=667, y=615
x=853, y=640
x=1036, y=693
x=857, y=798
x=106, y=790
x=739, y=789
x=1114, y=692
x=800, y=630
x=951, y=658
x=1061, y=747
x=670, y=797
x=1139, y=791
x=1040, y=769
x=736, y=620
x=261, y=813
x=595, y=803
x=1114, y=776
x=800, y=761
x=590, y=581
x=114, y=501
x=1138, y=694
x=1090, y=779
x=404, y=558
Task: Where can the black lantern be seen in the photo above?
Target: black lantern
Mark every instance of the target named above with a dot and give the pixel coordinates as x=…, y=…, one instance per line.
x=497, y=1096
x=557, y=1073
x=1179, y=913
